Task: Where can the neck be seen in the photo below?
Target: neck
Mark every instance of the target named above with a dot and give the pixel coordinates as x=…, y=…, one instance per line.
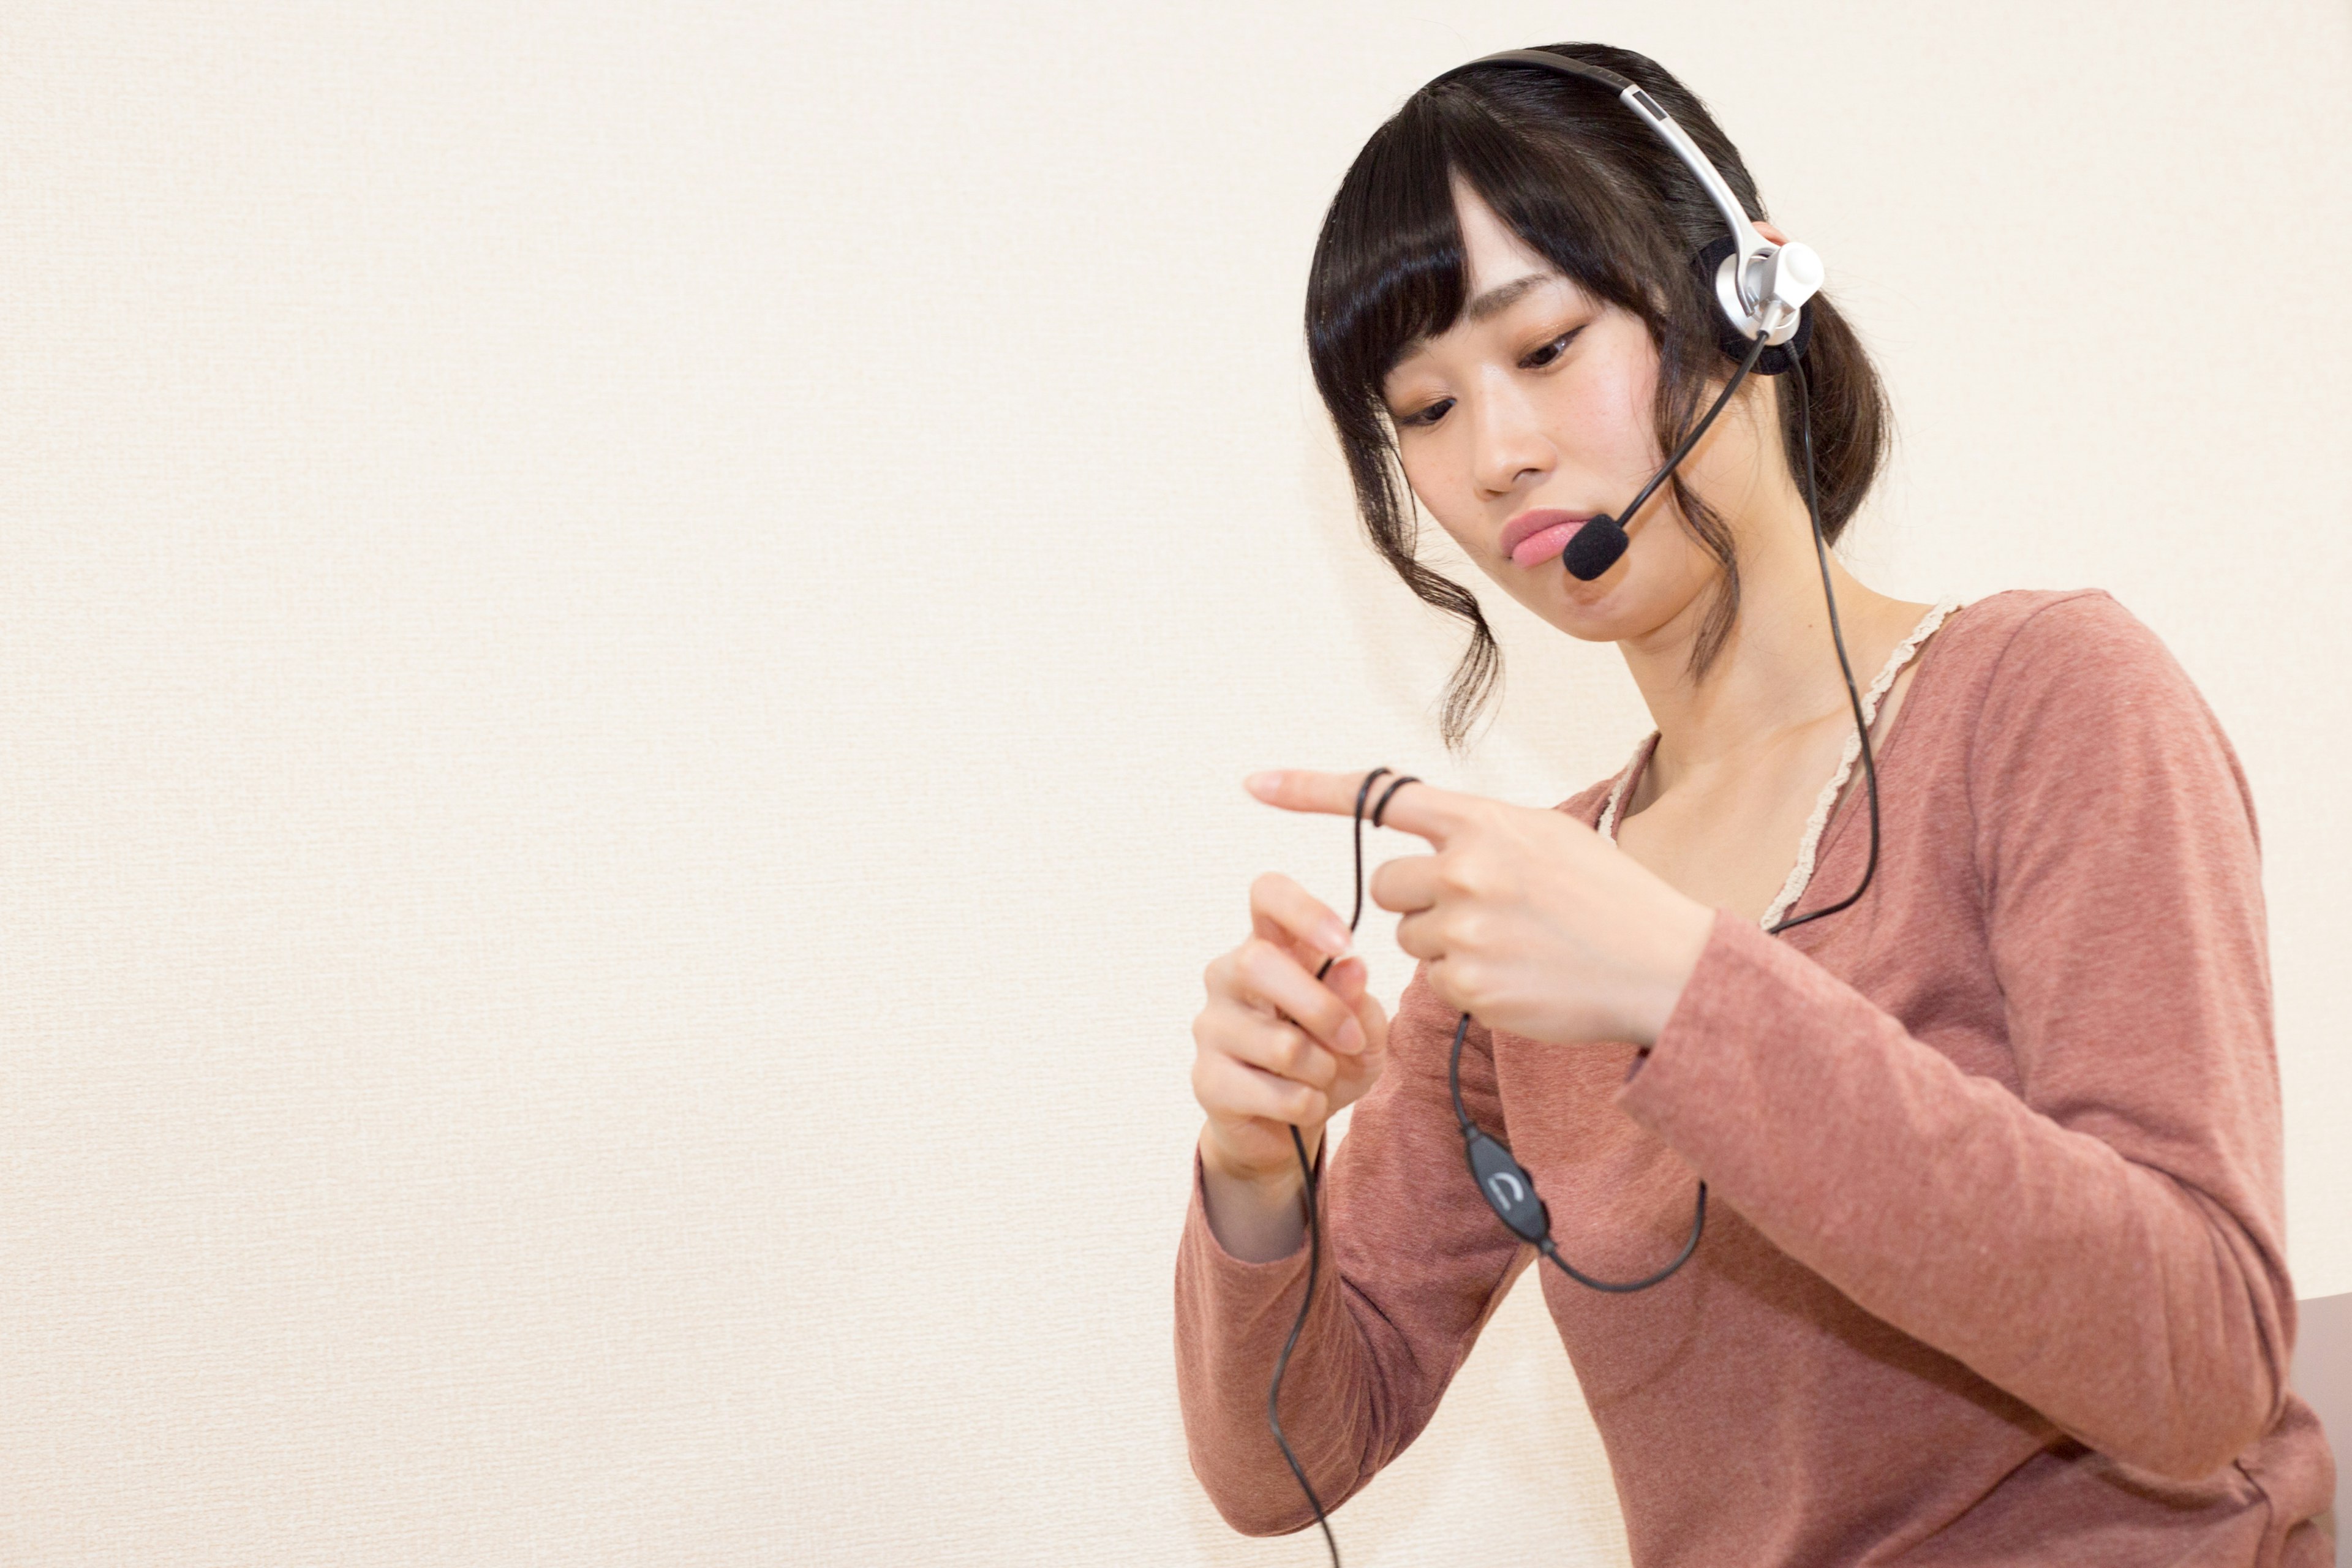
x=1776, y=681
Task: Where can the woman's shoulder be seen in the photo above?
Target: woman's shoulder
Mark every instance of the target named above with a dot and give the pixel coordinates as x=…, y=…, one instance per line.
x=2011, y=634
x=2078, y=710
x=2064, y=657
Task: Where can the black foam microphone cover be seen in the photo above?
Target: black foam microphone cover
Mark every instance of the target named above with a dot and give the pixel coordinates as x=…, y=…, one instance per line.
x=1594, y=548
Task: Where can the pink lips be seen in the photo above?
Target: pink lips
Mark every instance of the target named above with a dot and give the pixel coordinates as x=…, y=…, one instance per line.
x=1534, y=537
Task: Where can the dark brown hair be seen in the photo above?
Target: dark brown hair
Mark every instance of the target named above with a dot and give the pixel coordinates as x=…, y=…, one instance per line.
x=1595, y=192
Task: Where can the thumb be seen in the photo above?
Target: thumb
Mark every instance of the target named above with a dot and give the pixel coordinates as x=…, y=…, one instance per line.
x=1346, y=978
x=1370, y=1015
x=1360, y=1071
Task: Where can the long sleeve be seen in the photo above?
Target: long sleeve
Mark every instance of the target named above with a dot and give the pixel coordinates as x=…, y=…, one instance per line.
x=2098, y=1233
x=1414, y=1263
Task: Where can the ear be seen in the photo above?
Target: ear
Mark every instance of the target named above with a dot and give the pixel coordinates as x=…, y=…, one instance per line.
x=1776, y=359
x=1772, y=232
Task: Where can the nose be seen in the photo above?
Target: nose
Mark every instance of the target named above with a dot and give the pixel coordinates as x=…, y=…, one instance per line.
x=1511, y=445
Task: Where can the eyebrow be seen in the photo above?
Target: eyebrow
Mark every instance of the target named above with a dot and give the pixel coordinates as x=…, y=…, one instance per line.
x=1503, y=296
x=1493, y=302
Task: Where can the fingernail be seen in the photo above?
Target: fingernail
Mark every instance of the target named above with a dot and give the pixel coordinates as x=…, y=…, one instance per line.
x=1261, y=783
x=1338, y=941
x=1351, y=1037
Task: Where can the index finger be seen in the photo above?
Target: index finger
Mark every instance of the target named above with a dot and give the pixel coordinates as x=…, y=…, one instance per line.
x=1418, y=808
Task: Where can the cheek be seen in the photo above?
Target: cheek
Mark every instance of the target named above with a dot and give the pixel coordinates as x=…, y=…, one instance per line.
x=1606, y=417
x=1439, y=475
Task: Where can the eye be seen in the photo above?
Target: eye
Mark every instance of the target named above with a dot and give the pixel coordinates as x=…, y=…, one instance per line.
x=1551, y=351
x=1422, y=418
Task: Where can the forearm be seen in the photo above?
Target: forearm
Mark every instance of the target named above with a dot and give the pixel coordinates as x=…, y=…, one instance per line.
x=2127, y=1307
x=1232, y=1314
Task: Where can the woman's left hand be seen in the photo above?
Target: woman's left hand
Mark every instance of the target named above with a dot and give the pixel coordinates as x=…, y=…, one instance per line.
x=1531, y=921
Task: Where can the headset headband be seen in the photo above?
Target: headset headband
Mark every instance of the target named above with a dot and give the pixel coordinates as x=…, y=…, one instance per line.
x=1762, y=286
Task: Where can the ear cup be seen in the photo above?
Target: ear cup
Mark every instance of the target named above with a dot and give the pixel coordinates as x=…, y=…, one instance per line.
x=1772, y=361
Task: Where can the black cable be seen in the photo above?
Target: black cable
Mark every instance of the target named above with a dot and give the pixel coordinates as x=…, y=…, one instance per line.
x=1545, y=1247
x=1282, y=1362
x=1837, y=636
x=1307, y=1172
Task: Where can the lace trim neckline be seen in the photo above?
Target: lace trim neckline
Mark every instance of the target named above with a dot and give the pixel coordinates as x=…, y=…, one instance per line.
x=1802, y=872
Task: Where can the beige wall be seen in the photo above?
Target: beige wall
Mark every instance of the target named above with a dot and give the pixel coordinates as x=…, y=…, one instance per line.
x=630, y=634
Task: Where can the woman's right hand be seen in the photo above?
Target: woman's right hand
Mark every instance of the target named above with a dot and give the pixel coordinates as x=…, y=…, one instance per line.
x=1275, y=1047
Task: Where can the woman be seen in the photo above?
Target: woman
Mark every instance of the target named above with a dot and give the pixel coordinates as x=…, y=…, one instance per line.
x=1995, y=1269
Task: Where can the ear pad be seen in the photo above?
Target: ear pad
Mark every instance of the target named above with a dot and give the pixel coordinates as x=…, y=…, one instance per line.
x=1772, y=361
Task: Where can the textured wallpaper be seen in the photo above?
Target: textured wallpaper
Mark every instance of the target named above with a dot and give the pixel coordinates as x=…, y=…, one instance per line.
x=630, y=634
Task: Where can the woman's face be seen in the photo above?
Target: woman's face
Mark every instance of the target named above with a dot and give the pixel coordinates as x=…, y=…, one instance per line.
x=1531, y=413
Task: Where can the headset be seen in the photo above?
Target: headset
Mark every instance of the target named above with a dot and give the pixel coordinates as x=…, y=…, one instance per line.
x=1765, y=289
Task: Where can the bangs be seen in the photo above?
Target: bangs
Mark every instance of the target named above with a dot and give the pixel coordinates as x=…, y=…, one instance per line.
x=1389, y=267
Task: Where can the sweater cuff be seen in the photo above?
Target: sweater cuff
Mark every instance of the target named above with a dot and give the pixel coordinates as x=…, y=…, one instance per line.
x=1697, y=1087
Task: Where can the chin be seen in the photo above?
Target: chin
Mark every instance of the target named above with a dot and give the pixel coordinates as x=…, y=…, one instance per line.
x=1597, y=611
x=1623, y=601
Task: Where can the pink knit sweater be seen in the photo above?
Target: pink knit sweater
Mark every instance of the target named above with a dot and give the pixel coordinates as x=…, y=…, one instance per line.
x=1993, y=1269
